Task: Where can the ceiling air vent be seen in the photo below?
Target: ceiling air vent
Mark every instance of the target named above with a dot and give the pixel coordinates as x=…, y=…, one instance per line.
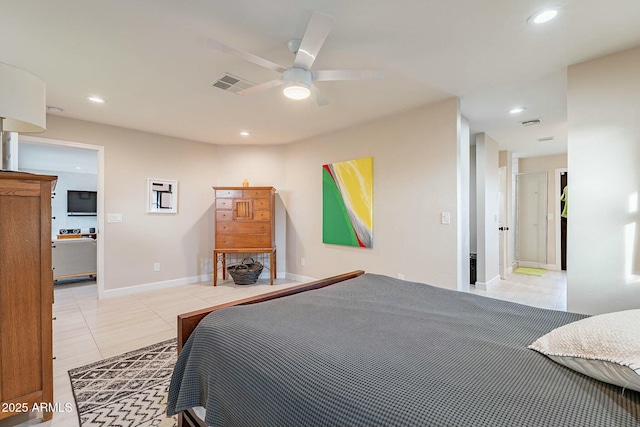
x=531, y=122
x=545, y=139
x=231, y=83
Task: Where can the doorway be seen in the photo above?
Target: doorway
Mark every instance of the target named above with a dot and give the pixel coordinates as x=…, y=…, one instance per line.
x=531, y=219
x=561, y=191
x=56, y=163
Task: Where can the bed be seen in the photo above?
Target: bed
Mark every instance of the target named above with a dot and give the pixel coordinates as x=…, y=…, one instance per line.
x=370, y=350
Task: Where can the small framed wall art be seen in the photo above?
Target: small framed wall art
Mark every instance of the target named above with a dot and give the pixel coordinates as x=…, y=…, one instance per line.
x=162, y=196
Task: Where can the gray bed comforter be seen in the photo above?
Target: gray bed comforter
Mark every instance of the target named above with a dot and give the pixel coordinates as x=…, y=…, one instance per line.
x=377, y=351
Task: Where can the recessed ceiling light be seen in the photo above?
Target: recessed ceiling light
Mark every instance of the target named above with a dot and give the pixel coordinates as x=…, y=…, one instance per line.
x=96, y=99
x=543, y=16
x=517, y=110
x=244, y=133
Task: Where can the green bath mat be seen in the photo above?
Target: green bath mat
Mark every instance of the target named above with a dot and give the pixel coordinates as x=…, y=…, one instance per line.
x=530, y=271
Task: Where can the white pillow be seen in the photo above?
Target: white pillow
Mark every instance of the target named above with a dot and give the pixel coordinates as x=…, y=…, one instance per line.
x=605, y=347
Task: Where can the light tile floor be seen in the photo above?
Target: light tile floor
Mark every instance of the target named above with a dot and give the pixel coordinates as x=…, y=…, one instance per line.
x=87, y=329
x=547, y=291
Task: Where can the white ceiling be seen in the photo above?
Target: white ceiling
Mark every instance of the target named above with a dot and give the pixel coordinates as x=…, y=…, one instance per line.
x=150, y=60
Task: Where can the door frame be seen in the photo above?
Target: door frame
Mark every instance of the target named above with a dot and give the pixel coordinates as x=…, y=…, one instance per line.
x=558, y=218
x=100, y=218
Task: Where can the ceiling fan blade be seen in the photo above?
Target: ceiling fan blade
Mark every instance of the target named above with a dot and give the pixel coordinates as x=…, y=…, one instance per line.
x=327, y=75
x=318, y=97
x=314, y=37
x=261, y=87
x=244, y=55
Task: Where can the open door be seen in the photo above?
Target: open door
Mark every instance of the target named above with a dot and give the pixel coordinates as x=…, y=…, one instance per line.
x=503, y=226
x=531, y=219
x=564, y=176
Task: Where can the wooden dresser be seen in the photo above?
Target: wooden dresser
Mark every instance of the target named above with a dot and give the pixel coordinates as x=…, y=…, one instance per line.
x=26, y=293
x=244, y=223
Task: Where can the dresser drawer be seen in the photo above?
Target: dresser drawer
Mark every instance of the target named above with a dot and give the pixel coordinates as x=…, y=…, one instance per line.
x=224, y=241
x=224, y=204
x=237, y=194
x=261, y=204
x=257, y=194
x=262, y=215
x=224, y=216
x=226, y=227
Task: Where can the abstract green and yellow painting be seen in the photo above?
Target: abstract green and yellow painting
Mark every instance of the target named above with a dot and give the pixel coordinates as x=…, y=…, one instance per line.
x=347, y=203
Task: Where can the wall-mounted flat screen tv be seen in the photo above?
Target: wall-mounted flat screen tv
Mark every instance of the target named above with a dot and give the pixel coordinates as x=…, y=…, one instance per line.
x=82, y=203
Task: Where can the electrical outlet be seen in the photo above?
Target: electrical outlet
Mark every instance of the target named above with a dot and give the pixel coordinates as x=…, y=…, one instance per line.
x=400, y=276
x=302, y=261
x=156, y=266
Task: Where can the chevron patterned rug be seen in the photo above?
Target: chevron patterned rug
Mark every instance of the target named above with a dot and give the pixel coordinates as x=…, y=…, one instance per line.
x=129, y=390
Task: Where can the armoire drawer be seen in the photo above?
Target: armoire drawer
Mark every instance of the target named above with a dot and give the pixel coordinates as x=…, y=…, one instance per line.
x=243, y=241
x=232, y=194
x=254, y=227
x=262, y=215
x=222, y=216
x=224, y=204
x=257, y=194
x=261, y=204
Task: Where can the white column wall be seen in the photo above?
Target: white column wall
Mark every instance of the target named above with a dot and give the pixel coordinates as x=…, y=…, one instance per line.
x=603, y=248
x=487, y=201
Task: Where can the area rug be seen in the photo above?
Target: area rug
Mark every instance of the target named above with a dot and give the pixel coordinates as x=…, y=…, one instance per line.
x=530, y=271
x=129, y=390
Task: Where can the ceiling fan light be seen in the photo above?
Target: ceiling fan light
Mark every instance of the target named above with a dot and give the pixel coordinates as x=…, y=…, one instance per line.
x=297, y=90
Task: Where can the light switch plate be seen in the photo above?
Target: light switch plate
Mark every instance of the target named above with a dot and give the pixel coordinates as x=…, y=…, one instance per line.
x=445, y=217
x=114, y=217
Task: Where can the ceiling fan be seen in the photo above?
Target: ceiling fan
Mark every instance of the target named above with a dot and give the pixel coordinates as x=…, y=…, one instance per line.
x=298, y=79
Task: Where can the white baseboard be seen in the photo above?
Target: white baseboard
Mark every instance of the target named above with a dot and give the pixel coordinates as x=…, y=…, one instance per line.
x=537, y=265
x=299, y=278
x=489, y=284
x=108, y=293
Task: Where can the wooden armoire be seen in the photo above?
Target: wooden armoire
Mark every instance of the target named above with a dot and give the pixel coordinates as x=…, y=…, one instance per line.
x=26, y=292
x=244, y=222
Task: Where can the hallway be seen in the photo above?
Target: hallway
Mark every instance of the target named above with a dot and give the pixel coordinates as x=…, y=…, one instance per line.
x=547, y=291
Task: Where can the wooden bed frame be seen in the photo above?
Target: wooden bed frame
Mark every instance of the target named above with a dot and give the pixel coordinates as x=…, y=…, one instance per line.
x=187, y=322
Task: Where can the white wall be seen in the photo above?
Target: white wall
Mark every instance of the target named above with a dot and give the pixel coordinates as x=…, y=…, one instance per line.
x=181, y=243
x=415, y=179
x=603, y=266
x=487, y=188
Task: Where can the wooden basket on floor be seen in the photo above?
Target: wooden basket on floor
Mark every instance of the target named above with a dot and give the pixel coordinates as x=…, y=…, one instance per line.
x=246, y=272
